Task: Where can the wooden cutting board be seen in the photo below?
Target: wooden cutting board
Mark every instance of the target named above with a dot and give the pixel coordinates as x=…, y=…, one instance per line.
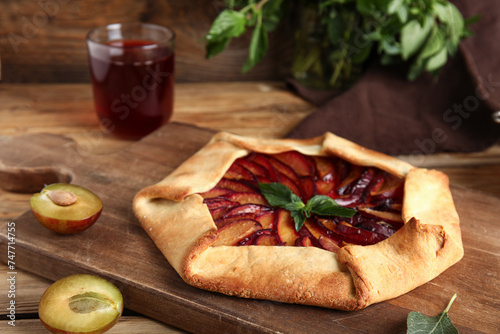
x=117, y=248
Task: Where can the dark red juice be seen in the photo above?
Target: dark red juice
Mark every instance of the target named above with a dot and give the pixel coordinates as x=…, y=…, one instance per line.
x=133, y=84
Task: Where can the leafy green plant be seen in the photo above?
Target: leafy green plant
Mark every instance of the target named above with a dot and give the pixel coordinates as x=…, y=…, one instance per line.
x=418, y=323
x=279, y=195
x=262, y=16
x=423, y=34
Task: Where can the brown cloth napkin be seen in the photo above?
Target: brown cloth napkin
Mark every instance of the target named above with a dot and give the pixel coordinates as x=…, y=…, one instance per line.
x=453, y=113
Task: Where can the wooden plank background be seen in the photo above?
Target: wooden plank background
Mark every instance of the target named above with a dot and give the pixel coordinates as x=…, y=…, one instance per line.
x=44, y=40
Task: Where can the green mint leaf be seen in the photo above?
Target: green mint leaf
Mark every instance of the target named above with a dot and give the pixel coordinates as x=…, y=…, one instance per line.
x=227, y=24
x=415, y=70
x=390, y=47
x=454, y=24
x=418, y=323
x=365, y=7
x=272, y=14
x=413, y=36
x=258, y=47
x=278, y=194
x=362, y=54
x=298, y=218
x=437, y=61
x=214, y=47
x=294, y=206
x=403, y=14
x=434, y=44
x=335, y=29
x=442, y=12
x=394, y=5
x=451, y=16
x=457, y=24
x=472, y=19
x=281, y=196
x=386, y=59
x=325, y=206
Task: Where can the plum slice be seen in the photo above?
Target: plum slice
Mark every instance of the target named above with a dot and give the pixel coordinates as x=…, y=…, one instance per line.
x=232, y=233
x=66, y=208
x=301, y=164
x=375, y=194
x=285, y=228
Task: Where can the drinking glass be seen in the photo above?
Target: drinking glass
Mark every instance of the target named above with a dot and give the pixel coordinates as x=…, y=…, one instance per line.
x=132, y=71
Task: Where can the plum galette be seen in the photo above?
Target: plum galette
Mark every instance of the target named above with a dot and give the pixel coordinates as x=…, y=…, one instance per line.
x=320, y=221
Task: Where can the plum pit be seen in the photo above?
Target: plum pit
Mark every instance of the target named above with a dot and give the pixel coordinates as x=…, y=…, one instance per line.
x=80, y=304
x=66, y=208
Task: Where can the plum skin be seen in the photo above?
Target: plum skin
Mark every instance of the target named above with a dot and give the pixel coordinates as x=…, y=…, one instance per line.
x=67, y=226
x=348, y=184
x=98, y=331
x=66, y=218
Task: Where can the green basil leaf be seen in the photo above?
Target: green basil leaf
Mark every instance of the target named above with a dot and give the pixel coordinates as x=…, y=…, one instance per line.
x=214, y=47
x=467, y=33
x=393, y=6
x=416, y=68
x=298, y=219
x=281, y=196
x=442, y=12
x=451, y=46
x=335, y=29
x=413, y=36
x=365, y=7
x=456, y=24
x=452, y=18
x=403, y=14
x=386, y=59
x=362, y=54
x=418, y=323
x=294, y=206
x=434, y=44
x=278, y=194
x=227, y=24
x=272, y=13
x=390, y=47
x=472, y=19
x=325, y=206
x=258, y=47
x=437, y=61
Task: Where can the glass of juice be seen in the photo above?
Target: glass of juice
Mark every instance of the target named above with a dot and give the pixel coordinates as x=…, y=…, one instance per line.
x=132, y=71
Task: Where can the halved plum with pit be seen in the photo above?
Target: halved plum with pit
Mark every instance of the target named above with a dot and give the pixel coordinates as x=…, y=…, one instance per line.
x=66, y=208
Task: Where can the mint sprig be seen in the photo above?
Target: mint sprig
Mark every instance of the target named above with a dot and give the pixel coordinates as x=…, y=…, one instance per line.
x=418, y=323
x=423, y=34
x=279, y=195
x=260, y=16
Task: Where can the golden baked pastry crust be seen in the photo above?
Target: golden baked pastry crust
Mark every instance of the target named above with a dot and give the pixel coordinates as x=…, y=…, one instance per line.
x=174, y=216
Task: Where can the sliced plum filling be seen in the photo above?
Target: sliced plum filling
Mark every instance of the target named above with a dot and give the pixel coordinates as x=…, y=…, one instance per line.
x=244, y=217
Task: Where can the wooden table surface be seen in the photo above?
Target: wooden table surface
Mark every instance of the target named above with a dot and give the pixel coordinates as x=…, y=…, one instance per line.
x=253, y=108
